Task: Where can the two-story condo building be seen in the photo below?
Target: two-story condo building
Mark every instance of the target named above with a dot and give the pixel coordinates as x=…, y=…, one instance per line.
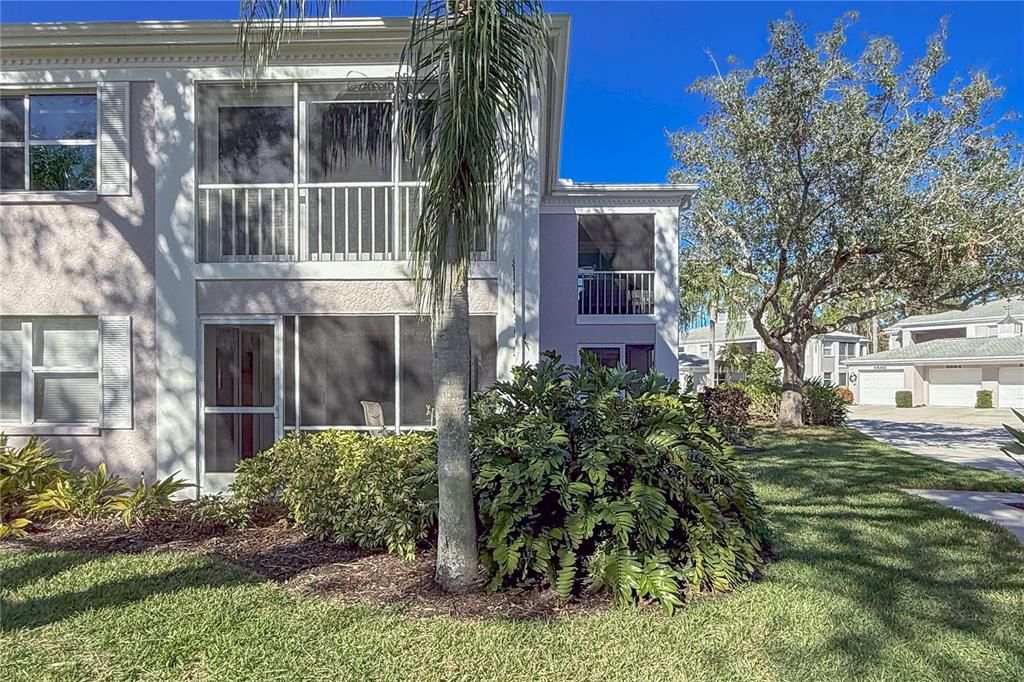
x=824, y=359
x=946, y=358
x=191, y=267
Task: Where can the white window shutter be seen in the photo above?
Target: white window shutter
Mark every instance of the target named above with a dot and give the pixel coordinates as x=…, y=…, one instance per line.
x=114, y=163
x=116, y=371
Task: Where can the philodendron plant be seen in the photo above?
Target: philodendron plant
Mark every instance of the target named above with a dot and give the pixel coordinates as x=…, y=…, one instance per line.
x=1015, y=448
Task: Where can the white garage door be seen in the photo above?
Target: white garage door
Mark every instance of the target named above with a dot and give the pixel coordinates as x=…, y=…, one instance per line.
x=1011, y=387
x=879, y=386
x=953, y=387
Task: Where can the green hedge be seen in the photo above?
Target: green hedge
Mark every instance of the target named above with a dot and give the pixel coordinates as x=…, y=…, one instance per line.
x=904, y=398
x=354, y=488
x=983, y=399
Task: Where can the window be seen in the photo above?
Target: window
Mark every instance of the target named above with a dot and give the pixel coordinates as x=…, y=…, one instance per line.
x=842, y=379
x=639, y=358
x=829, y=349
x=705, y=350
x=49, y=370
x=48, y=141
x=846, y=349
x=828, y=377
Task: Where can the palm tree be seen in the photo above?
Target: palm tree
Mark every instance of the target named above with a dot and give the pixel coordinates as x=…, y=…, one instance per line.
x=470, y=72
x=731, y=358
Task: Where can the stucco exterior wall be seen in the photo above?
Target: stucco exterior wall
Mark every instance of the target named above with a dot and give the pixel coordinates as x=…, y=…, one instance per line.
x=94, y=258
x=314, y=297
x=559, y=330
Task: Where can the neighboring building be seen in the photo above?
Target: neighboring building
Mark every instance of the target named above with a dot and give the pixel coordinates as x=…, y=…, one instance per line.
x=192, y=268
x=946, y=358
x=824, y=357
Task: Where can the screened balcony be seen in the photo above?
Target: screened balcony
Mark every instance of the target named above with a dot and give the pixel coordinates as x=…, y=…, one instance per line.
x=305, y=172
x=615, y=265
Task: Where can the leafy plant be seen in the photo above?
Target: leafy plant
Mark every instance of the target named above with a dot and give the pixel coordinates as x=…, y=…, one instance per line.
x=147, y=500
x=86, y=495
x=845, y=394
x=590, y=479
x=764, y=400
x=823, y=405
x=354, y=488
x=983, y=399
x=728, y=409
x=1015, y=448
x=24, y=473
x=904, y=398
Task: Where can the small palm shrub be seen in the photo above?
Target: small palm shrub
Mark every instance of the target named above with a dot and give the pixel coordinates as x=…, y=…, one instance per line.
x=823, y=406
x=983, y=399
x=728, y=409
x=591, y=478
x=25, y=473
x=353, y=488
x=84, y=495
x=845, y=394
x=904, y=398
x=1015, y=448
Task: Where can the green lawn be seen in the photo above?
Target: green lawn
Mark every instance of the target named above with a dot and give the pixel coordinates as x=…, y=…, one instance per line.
x=871, y=584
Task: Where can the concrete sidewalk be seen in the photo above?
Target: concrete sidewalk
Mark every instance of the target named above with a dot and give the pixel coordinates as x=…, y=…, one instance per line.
x=992, y=507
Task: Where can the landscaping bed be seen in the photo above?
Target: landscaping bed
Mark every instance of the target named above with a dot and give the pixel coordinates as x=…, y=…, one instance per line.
x=306, y=566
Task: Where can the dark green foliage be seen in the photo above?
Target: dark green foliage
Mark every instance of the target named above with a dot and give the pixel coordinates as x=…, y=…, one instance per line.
x=590, y=478
x=904, y=398
x=983, y=399
x=823, y=406
x=728, y=409
x=1015, y=448
x=353, y=488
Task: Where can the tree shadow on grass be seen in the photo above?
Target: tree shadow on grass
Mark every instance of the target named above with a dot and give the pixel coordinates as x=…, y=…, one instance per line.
x=202, y=573
x=928, y=578
x=39, y=567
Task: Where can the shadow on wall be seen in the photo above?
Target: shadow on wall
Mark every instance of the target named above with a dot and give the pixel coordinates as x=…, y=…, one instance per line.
x=96, y=258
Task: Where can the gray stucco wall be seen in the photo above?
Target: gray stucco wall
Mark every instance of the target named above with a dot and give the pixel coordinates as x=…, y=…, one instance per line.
x=559, y=330
x=94, y=258
x=277, y=297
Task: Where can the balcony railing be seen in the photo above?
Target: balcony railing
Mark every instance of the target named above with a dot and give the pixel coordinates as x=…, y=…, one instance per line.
x=358, y=221
x=624, y=292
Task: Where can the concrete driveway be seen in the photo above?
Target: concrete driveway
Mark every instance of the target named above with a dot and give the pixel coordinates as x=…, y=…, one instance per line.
x=961, y=435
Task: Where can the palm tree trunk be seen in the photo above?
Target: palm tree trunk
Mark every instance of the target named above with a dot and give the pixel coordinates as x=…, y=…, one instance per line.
x=456, y=533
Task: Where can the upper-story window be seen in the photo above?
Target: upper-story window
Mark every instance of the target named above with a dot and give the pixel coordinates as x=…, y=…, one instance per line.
x=829, y=349
x=48, y=141
x=305, y=171
x=847, y=348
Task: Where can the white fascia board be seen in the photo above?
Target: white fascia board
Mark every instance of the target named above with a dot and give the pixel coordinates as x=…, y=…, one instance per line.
x=568, y=197
x=1009, y=359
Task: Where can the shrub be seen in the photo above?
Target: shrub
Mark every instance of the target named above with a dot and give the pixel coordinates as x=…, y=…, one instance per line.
x=762, y=371
x=845, y=394
x=823, y=406
x=727, y=407
x=25, y=472
x=147, y=501
x=904, y=398
x=983, y=399
x=353, y=488
x=764, y=401
x=1015, y=448
x=589, y=479
x=85, y=495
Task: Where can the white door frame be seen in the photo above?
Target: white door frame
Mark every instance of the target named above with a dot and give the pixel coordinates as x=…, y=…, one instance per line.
x=216, y=483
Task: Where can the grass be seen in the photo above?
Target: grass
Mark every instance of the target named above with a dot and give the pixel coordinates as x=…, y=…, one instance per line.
x=871, y=584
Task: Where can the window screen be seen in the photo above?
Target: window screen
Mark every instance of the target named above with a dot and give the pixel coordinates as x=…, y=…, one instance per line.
x=345, y=360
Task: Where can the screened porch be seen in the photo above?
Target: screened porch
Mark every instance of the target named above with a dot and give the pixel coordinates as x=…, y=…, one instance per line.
x=263, y=377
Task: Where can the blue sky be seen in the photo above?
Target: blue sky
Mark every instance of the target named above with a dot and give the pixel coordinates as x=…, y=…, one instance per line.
x=630, y=62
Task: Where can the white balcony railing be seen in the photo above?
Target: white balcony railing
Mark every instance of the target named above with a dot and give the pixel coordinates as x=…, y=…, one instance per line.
x=357, y=221
x=627, y=292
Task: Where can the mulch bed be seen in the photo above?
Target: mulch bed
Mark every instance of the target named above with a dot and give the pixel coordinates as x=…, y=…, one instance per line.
x=308, y=567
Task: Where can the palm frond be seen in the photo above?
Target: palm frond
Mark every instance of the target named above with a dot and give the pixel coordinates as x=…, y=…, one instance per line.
x=472, y=69
x=267, y=24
